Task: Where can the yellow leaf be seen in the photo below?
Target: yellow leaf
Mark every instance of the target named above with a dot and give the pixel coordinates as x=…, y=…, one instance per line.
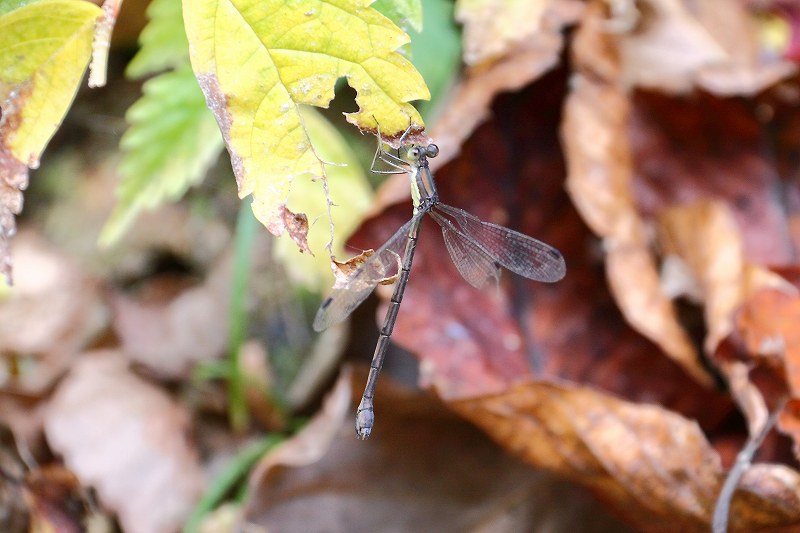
x=352, y=197
x=44, y=50
x=257, y=60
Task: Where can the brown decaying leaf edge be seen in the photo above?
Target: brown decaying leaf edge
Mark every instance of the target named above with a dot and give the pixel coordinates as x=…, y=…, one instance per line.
x=13, y=175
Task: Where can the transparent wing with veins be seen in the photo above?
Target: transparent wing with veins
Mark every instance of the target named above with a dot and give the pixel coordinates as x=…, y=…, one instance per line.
x=381, y=267
x=479, y=248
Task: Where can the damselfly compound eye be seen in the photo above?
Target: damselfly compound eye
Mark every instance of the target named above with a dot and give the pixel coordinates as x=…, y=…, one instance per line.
x=432, y=150
x=415, y=152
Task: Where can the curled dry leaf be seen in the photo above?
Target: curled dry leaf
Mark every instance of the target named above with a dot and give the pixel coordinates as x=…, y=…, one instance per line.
x=170, y=335
x=49, y=316
x=599, y=182
x=127, y=439
x=56, y=501
x=654, y=465
x=343, y=270
x=705, y=237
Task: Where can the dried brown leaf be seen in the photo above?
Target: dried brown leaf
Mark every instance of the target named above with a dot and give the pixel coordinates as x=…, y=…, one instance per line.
x=599, y=182
x=127, y=439
x=492, y=28
x=675, y=45
x=50, y=314
x=312, y=442
x=768, y=325
x=172, y=327
x=442, y=473
x=56, y=501
x=656, y=467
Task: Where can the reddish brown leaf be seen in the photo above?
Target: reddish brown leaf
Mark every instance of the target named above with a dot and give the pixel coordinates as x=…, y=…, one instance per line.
x=56, y=500
x=768, y=324
x=789, y=423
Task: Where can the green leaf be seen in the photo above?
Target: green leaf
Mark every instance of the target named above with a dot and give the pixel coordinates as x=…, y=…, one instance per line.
x=405, y=13
x=438, y=52
x=6, y=6
x=256, y=60
x=172, y=141
x=163, y=41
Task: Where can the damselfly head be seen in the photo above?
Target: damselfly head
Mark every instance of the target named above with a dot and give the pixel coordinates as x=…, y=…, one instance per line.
x=416, y=152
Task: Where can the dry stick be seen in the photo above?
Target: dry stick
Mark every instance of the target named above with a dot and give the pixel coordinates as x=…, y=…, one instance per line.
x=719, y=523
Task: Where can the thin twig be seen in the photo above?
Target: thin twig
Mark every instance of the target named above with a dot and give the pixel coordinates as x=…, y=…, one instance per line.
x=743, y=461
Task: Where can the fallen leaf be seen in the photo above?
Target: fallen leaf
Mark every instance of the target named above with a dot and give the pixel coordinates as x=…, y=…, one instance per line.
x=654, y=466
x=127, y=439
x=492, y=28
x=48, y=317
x=470, y=101
x=768, y=325
x=173, y=329
x=444, y=474
x=704, y=235
x=311, y=443
x=789, y=423
x=600, y=185
x=56, y=501
x=675, y=45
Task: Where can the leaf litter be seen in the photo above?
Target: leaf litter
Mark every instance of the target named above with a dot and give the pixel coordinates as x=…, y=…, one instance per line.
x=667, y=184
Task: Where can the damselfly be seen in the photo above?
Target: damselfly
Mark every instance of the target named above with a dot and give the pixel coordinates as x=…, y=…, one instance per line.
x=478, y=250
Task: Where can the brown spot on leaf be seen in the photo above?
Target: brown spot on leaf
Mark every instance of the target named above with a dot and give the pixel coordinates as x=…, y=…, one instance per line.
x=217, y=102
x=296, y=225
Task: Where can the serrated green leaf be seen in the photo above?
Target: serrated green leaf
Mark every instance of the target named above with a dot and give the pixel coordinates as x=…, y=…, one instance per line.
x=163, y=41
x=405, y=13
x=256, y=60
x=172, y=141
x=6, y=6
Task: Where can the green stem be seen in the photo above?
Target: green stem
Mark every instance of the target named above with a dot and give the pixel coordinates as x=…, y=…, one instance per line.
x=245, y=235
